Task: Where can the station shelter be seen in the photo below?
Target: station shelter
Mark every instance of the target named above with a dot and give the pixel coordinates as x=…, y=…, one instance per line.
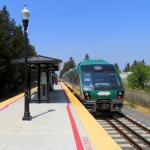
x=44, y=68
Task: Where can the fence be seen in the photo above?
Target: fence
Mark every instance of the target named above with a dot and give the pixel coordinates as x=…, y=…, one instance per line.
x=138, y=97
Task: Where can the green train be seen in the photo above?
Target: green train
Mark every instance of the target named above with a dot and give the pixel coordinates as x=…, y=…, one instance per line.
x=97, y=84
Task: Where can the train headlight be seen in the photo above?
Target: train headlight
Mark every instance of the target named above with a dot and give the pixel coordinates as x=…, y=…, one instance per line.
x=120, y=94
x=87, y=95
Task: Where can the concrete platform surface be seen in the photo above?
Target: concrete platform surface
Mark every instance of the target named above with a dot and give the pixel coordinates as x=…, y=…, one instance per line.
x=49, y=129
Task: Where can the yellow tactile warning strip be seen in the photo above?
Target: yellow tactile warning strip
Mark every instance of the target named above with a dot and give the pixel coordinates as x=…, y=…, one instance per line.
x=13, y=99
x=99, y=137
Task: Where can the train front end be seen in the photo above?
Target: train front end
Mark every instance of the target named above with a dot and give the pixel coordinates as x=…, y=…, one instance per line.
x=102, y=89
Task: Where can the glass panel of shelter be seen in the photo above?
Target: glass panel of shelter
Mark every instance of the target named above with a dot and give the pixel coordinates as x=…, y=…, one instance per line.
x=44, y=83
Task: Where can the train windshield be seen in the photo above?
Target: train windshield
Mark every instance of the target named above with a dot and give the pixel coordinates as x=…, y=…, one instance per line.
x=101, y=80
x=105, y=80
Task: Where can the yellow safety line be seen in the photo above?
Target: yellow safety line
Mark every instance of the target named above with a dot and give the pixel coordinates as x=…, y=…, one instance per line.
x=15, y=98
x=99, y=137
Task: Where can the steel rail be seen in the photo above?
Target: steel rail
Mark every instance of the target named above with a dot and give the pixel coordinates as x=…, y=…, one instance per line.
x=135, y=133
x=132, y=142
x=136, y=123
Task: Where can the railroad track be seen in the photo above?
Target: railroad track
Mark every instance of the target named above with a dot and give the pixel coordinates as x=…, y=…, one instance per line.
x=128, y=133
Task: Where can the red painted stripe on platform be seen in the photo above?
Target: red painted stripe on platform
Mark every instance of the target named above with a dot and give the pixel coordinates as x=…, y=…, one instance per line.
x=75, y=130
x=73, y=124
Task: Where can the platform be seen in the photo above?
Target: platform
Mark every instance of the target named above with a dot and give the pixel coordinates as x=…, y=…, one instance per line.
x=57, y=125
x=50, y=128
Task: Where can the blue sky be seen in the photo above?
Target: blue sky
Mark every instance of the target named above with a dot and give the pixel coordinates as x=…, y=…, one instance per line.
x=114, y=30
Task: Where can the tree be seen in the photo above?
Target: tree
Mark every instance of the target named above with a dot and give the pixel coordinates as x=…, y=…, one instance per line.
x=71, y=63
x=11, y=47
x=143, y=61
x=140, y=75
x=117, y=67
x=127, y=68
x=135, y=62
x=68, y=65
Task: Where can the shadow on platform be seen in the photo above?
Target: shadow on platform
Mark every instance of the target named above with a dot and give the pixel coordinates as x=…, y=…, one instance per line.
x=50, y=110
x=56, y=96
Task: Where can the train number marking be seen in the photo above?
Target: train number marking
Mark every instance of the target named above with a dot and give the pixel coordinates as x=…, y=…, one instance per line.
x=103, y=93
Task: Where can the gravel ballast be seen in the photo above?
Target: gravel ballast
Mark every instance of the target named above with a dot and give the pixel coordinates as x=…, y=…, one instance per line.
x=137, y=115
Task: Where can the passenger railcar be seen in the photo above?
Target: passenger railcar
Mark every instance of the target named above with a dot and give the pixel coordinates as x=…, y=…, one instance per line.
x=97, y=84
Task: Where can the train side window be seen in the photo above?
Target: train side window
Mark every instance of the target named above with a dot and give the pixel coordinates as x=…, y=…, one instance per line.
x=77, y=80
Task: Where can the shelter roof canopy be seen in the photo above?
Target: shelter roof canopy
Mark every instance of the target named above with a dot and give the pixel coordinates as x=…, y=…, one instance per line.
x=39, y=59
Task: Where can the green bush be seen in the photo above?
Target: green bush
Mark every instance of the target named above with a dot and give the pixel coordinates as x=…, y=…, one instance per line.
x=140, y=76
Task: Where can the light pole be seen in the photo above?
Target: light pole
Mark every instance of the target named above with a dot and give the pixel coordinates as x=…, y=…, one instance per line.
x=25, y=19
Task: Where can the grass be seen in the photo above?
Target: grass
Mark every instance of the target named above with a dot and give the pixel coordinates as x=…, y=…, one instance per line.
x=138, y=99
